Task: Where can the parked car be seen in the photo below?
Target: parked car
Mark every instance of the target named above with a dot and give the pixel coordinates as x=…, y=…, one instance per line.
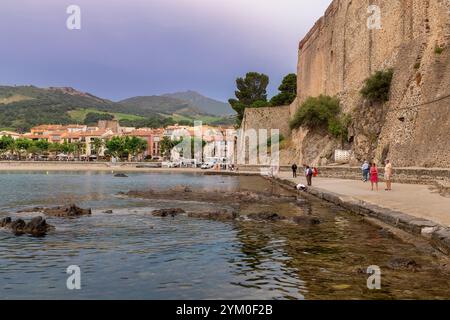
x=208, y=165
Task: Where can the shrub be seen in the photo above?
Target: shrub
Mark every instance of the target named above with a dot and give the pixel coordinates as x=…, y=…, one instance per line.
x=417, y=65
x=377, y=86
x=316, y=112
x=438, y=50
x=338, y=126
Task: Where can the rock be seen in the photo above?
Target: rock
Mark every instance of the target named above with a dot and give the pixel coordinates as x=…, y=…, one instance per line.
x=403, y=263
x=37, y=227
x=120, y=175
x=167, y=212
x=306, y=220
x=181, y=188
x=266, y=216
x=5, y=222
x=35, y=209
x=222, y=215
x=68, y=211
x=18, y=227
x=108, y=211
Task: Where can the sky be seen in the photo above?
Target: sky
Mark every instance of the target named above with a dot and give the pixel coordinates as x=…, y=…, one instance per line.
x=131, y=48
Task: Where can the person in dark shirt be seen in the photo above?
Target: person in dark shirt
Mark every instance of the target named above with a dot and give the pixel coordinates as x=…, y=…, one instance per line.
x=294, y=170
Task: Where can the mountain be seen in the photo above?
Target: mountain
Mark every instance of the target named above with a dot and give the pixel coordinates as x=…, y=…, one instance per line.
x=22, y=107
x=162, y=105
x=205, y=104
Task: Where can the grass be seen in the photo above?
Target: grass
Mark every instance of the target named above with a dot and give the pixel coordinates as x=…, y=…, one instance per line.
x=14, y=98
x=7, y=129
x=79, y=115
x=204, y=119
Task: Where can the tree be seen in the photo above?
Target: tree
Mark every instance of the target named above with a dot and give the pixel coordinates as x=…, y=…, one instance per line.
x=288, y=91
x=259, y=104
x=250, y=89
x=115, y=147
x=6, y=144
x=134, y=146
x=92, y=118
x=79, y=148
x=22, y=146
x=97, y=145
x=41, y=145
x=167, y=145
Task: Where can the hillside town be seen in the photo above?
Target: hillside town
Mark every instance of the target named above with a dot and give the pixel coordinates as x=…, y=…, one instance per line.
x=77, y=142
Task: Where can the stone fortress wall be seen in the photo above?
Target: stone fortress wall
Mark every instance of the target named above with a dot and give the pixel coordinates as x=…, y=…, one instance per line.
x=340, y=52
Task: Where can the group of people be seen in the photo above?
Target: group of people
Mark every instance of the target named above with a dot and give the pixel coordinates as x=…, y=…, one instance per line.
x=309, y=173
x=370, y=173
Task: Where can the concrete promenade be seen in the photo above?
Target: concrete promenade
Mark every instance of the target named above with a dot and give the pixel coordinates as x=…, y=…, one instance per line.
x=416, y=200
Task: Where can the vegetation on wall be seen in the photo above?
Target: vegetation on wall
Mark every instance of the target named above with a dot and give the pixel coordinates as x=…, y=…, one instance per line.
x=322, y=112
x=438, y=50
x=377, y=86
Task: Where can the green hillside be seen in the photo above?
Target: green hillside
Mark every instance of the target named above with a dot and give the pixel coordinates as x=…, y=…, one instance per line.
x=23, y=107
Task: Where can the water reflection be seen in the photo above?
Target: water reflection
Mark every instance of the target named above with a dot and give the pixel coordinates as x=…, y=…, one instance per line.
x=132, y=255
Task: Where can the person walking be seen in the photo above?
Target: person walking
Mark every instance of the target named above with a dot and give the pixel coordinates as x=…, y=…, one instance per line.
x=294, y=170
x=309, y=174
x=374, y=175
x=388, y=175
x=365, y=170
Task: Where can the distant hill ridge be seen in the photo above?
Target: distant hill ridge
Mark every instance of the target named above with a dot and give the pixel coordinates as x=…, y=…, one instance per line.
x=205, y=104
x=24, y=106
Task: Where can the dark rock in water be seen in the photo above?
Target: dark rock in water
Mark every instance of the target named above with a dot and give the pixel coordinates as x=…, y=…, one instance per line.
x=37, y=227
x=120, y=175
x=306, y=220
x=181, y=188
x=167, y=212
x=5, y=222
x=266, y=216
x=68, y=211
x=223, y=215
x=403, y=263
x=108, y=211
x=18, y=227
x=35, y=209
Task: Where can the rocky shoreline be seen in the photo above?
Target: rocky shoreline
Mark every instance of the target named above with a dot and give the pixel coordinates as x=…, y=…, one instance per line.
x=437, y=234
x=235, y=202
x=38, y=226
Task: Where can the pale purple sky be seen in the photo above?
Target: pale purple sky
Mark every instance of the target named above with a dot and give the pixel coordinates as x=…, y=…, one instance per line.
x=143, y=47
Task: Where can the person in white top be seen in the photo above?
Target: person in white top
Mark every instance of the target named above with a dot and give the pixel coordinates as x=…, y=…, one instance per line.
x=388, y=175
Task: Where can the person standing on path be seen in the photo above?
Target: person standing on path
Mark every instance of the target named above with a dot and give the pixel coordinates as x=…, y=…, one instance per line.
x=374, y=175
x=309, y=174
x=388, y=175
x=365, y=170
x=294, y=170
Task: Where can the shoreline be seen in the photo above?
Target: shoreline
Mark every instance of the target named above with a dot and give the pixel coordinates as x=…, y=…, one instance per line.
x=438, y=235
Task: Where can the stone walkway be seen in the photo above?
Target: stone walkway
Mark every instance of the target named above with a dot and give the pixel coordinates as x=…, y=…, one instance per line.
x=415, y=200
